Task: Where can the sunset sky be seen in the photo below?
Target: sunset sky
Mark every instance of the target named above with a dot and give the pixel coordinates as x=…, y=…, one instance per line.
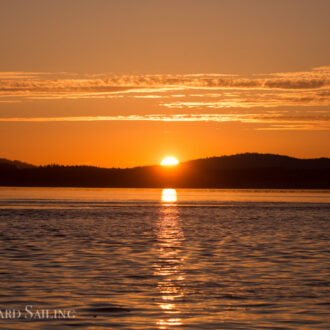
x=127, y=82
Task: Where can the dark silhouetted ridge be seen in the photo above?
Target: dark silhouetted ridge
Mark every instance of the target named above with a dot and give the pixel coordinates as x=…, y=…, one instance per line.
x=249, y=170
x=14, y=163
x=255, y=160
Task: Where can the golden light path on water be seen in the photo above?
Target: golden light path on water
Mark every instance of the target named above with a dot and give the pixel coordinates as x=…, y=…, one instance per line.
x=205, y=259
x=169, y=195
x=169, y=266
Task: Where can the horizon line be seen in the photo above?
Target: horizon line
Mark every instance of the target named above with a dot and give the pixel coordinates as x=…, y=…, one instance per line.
x=152, y=165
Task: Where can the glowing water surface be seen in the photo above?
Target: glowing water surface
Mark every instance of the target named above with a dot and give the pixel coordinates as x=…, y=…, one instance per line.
x=166, y=259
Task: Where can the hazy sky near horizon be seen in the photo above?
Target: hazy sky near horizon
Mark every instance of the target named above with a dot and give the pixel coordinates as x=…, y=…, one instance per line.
x=125, y=83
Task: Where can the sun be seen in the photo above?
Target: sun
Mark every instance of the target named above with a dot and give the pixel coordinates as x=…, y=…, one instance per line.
x=169, y=161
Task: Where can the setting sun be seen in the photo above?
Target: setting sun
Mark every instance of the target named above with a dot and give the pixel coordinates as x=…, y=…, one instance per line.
x=169, y=161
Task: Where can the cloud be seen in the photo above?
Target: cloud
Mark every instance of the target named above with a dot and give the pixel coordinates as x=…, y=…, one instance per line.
x=250, y=99
x=275, y=100
x=297, y=83
x=275, y=121
x=64, y=85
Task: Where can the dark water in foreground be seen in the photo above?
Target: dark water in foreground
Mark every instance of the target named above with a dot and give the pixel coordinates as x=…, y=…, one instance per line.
x=147, y=259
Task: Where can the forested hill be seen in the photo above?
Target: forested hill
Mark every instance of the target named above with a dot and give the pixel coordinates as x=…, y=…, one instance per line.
x=249, y=170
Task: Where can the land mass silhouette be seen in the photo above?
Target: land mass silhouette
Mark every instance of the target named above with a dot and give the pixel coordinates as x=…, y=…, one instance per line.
x=248, y=170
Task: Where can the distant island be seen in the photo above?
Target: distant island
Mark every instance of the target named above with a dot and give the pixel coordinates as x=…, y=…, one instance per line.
x=248, y=170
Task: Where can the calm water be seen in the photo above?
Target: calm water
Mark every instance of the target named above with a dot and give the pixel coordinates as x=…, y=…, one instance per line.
x=153, y=259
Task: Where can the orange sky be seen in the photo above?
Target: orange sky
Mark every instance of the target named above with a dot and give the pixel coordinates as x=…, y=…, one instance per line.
x=125, y=83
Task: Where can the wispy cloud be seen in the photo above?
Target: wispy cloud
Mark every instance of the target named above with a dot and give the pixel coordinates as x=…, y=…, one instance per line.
x=63, y=85
x=275, y=121
x=252, y=99
x=259, y=99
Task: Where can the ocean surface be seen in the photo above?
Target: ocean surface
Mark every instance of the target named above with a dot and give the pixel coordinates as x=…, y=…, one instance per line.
x=164, y=259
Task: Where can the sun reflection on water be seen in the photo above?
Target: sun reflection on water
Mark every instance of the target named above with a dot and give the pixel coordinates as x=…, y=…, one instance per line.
x=169, y=195
x=169, y=266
